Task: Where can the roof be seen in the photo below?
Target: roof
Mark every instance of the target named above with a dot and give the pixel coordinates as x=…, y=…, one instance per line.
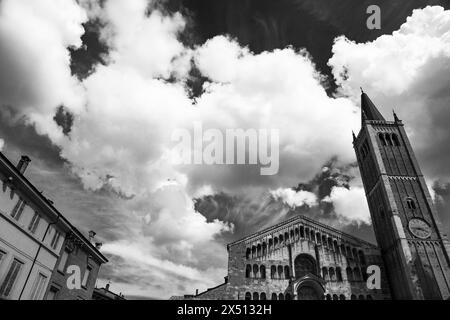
x=106, y=293
x=368, y=109
x=48, y=205
x=309, y=220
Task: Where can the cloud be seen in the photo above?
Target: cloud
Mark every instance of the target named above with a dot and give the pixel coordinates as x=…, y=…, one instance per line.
x=295, y=199
x=408, y=71
x=350, y=205
x=125, y=111
x=36, y=59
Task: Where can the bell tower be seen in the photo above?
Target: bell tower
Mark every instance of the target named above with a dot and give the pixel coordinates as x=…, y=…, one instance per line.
x=415, y=250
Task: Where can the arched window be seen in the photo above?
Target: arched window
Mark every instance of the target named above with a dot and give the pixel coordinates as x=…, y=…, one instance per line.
x=313, y=236
x=325, y=274
x=296, y=233
x=286, y=272
x=258, y=250
x=248, y=296
x=274, y=296
x=362, y=258
x=353, y=297
x=307, y=233
x=343, y=249
x=255, y=271
x=281, y=239
x=280, y=272
x=262, y=271
x=395, y=140
x=336, y=246
x=263, y=296
x=292, y=235
x=332, y=274
x=281, y=296
x=366, y=148
x=341, y=297
x=357, y=274
x=349, y=253
x=355, y=254
x=388, y=140
x=255, y=296
x=318, y=238
x=328, y=296
x=382, y=139
x=349, y=272
x=302, y=232
x=335, y=297
x=253, y=252
x=330, y=243
x=410, y=203
x=264, y=248
x=286, y=237
x=288, y=296
x=248, y=271
x=362, y=152
x=324, y=241
x=273, y=272
x=248, y=253
x=361, y=297
x=275, y=243
x=303, y=265
x=270, y=245
x=364, y=274
x=338, y=274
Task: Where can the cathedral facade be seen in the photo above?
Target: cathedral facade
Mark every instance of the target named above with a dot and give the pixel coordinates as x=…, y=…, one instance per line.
x=301, y=259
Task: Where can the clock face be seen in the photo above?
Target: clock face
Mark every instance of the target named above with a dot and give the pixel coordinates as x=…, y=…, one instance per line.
x=420, y=228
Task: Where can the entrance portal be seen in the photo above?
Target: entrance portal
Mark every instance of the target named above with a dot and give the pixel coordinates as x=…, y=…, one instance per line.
x=307, y=292
x=304, y=264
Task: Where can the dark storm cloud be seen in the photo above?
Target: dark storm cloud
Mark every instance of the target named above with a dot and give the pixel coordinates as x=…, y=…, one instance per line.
x=64, y=119
x=312, y=24
x=250, y=213
x=92, y=52
x=22, y=138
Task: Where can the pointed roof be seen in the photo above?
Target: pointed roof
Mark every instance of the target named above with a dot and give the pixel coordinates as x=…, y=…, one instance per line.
x=368, y=109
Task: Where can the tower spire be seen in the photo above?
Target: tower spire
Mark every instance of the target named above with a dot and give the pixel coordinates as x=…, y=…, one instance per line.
x=396, y=119
x=369, y=110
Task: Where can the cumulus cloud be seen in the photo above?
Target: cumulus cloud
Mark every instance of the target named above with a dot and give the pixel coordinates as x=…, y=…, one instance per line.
x=406, y=71
x=35, y=36
x=350, y=205
x=295, y=199
x=125, y=112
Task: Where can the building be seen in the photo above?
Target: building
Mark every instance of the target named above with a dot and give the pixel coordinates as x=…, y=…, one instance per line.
x=415, y=249
x=299, y=259
x=302, y=259
x=86, y=256
x=106, y=294
x=34, y=237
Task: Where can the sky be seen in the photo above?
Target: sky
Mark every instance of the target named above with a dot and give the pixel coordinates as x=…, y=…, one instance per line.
x=92, y=91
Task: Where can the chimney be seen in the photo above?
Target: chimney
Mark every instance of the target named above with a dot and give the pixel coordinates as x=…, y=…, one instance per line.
x=91, y=235
x=98, y=245
x=23, y=164
x=196, y=292
x=107, y=286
